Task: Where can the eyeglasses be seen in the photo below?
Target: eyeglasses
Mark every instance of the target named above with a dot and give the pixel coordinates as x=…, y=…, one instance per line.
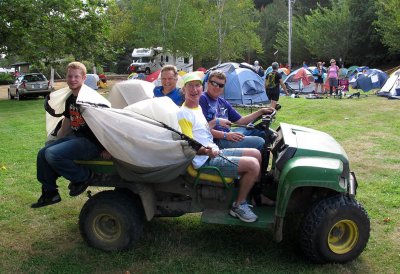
x=215, y=84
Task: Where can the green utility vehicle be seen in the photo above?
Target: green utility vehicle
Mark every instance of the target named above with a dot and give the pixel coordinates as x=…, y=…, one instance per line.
x=310, y=176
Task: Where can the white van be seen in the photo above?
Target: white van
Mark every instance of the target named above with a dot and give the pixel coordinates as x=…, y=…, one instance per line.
x=149, y=60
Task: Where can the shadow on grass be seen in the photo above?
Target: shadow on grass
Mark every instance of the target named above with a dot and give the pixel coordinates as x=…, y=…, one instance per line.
x=175, y=245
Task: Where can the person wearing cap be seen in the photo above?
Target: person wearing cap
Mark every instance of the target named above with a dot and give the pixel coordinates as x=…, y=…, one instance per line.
x=214, y=106
x=243, y=162
x=333, y=75
x=274, y=91
x=169, y=78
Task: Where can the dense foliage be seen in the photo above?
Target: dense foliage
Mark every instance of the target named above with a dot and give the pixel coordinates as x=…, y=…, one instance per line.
x=361, y=32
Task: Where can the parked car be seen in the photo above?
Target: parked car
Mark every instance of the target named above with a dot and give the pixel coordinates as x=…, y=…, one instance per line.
x=29, y=85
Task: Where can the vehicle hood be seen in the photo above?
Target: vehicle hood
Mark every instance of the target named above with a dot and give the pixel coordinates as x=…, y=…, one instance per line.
x=311, y=142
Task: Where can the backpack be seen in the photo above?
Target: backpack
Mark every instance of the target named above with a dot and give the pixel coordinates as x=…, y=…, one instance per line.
x=270, y=80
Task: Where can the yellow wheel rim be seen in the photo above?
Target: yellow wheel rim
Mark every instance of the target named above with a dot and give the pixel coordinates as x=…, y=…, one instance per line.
x=106, y=228
x=343, y=236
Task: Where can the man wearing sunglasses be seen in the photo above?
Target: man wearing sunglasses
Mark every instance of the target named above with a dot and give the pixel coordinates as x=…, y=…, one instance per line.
x=214, y=106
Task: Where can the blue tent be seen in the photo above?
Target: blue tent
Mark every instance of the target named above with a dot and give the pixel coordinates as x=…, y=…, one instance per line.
x=243, y=85
x=370, y=79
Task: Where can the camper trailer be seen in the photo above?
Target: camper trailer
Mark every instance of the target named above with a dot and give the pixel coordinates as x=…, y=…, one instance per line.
x=149, y=60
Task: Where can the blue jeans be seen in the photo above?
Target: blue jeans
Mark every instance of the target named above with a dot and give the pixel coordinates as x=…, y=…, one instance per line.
x=250, y=132
x=57, y=159
x=249, y=141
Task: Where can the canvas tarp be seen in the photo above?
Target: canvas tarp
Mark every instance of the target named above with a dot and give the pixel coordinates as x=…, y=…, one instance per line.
x=128, y=92
x=144, y=150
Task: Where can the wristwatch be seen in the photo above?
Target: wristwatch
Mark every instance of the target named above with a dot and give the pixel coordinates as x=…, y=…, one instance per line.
x=225, y=135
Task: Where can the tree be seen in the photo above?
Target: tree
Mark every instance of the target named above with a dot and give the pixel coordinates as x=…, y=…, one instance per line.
x=47, y=30
x=325, y=33
x=270, y=18
x=204, y=29
x=234, y=29
x=388, y=23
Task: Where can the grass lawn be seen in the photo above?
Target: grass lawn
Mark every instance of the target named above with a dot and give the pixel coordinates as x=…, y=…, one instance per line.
x=47, y=240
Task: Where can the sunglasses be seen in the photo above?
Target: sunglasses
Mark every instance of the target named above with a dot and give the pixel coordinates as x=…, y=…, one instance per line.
x=215, y=84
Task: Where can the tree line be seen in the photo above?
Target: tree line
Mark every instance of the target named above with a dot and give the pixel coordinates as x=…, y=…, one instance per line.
x=358, y=32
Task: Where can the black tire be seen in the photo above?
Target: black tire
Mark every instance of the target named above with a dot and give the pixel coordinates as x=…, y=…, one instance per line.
x=18, y=96
x=147, y=71
x=112, y=220
x=335, y=230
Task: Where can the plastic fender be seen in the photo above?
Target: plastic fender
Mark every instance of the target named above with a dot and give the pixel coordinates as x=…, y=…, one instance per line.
x=148, y=198
x=307, y=171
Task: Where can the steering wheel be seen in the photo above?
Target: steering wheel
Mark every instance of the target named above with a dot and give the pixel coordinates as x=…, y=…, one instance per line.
x=266, y=120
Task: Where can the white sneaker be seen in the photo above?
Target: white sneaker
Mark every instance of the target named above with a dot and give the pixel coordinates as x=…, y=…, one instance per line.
x=243, y=212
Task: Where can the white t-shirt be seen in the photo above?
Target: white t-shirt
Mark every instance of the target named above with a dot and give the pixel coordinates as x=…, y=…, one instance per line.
x=194, y=124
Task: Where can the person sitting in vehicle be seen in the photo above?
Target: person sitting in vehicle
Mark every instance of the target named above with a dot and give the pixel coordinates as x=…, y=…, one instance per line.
x=169, y=78
x=57, y=158
x=214, y=106
x=243, y=162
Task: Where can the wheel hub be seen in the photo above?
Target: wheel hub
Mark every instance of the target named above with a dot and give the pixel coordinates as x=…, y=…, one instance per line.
x=107, y=227
x=343, y=236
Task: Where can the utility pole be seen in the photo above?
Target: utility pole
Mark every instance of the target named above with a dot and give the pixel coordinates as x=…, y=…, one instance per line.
x=290, y=2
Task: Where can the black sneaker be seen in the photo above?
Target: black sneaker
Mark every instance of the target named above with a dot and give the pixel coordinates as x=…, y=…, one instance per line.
x=76, y=189
x=47, y=198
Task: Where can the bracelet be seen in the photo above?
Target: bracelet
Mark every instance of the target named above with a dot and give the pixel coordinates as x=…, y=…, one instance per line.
x=225, y=134
x=217, y=122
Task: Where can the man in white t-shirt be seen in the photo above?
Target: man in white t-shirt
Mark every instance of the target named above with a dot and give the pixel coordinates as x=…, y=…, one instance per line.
x=244, y=162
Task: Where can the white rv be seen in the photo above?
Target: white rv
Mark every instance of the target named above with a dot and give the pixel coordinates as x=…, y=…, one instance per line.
x=149, y=60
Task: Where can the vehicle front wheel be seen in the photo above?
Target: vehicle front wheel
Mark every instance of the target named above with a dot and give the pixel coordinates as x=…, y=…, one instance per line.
x=335, y=230
x=112, y=220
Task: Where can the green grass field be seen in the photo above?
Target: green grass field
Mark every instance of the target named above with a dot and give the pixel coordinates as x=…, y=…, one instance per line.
x=47, y=240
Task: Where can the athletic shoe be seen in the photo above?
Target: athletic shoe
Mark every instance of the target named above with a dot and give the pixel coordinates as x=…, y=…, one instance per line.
x=76, y=189
x=243, y=212
x=47, y=198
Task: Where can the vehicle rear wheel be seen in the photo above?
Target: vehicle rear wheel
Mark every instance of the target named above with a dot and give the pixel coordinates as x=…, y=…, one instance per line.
x=10, y=97
x=335, y=229
x=112, y=220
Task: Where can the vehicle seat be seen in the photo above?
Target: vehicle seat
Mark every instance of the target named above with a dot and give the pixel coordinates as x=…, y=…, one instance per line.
x=101, y=165
x=199, y=175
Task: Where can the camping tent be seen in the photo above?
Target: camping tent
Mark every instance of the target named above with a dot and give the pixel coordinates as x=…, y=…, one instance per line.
x=300, y=80
x=392, y=85
x=369, y=79
x=91, y=81
x=243, y=85
x=282, y=71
